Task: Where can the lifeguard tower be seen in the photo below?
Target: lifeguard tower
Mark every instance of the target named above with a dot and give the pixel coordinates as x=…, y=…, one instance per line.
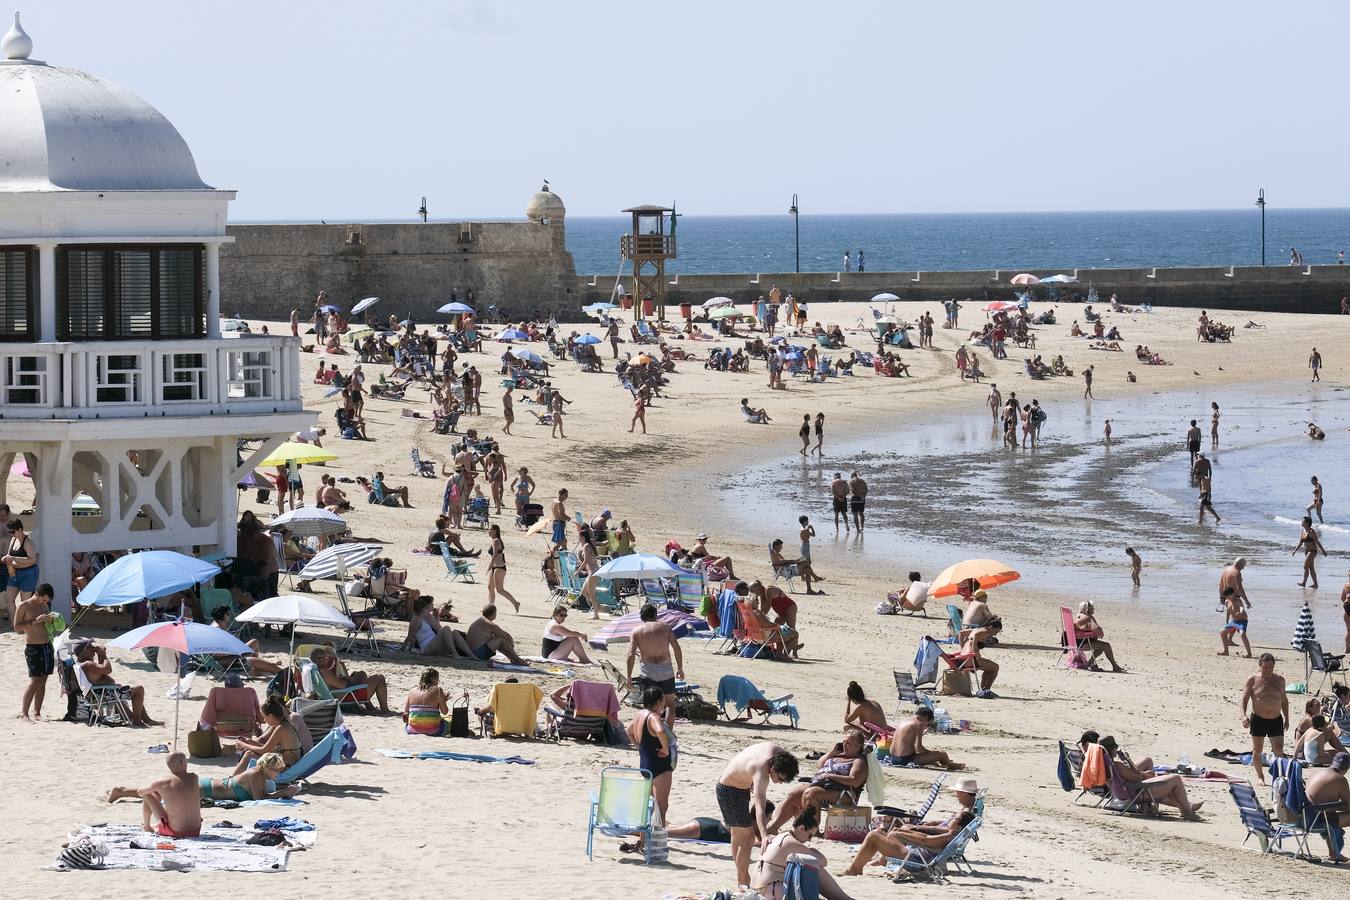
x=115, y=381
x=648, y=246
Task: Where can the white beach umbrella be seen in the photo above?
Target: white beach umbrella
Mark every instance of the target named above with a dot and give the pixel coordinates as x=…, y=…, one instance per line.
x=294, y=609
x=311, y=521
x=638, y=565
x=885, y=298
x=364, y=305
x=718, y=301
x=326, y=562
x=1304, y=630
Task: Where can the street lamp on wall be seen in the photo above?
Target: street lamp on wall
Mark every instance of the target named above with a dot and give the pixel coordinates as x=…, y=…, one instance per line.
x=423, y=211
x=1261, y=202
x=797, y=228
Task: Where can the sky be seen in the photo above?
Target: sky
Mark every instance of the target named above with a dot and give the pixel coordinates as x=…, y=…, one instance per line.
x=339, y=109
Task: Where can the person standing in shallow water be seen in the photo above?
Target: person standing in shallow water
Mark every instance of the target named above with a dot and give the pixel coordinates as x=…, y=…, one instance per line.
x=805, y=433
x=1193, y=441
x=1214, y=427
x=1087, y=383
x=1310, y=544
x=820, y=434
x=1205, y=500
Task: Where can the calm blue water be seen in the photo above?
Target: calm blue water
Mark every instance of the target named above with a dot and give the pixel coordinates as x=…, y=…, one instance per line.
x=714, y=244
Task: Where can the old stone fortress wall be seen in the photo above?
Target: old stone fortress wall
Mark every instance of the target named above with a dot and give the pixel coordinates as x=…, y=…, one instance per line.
x=524, y=266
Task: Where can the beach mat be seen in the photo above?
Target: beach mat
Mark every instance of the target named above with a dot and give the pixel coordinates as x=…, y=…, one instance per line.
x=216, y=850
x=459, y=757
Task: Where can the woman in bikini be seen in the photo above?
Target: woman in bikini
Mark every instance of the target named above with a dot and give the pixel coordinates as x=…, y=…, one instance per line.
x=768, y=879
x=859, y=712
x=820, y=434
x=280, y=738
x=496, y=475
x=427, y=706
x=497, y=568
x=428, y=637
x=1214, y=426
x=560, y=642
x=257, y=783
x=805, y=433
x=1311, y=545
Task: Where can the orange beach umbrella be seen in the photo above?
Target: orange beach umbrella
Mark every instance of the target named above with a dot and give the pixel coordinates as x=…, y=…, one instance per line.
x=989, y=572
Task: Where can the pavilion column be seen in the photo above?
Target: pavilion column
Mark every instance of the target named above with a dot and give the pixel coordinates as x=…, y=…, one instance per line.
x=52, y=489
x=46, y=290
x=213, y=290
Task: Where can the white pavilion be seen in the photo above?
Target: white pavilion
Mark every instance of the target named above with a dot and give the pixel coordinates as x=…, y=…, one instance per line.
x=115, y=381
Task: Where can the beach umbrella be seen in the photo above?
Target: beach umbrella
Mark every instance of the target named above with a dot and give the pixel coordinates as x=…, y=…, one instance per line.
x=588, y=339
x=1304, y=632
x=638, y=565
x=186, y=639
x=885, y=298
x=296, y=452
x=364, y=305
x=294, y=609
x=145, y=576
x=20, y=466
x=725, y=312
x=621, y=629
x=512, y=334
x=794, y=356
x=456, y=308
x=887, y=320
x=598, y=307
x=327, y=562
x=311, y=521
x=1000, y=306
x=253, y=479
x=528, y=355
x=1059, y=279
x=330, y=308
x=715, y=302
x=1025, y=279
x=989, y=572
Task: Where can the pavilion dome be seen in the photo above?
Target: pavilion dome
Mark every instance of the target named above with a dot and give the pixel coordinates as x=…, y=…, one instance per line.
x=67, y=130
x=545, y=205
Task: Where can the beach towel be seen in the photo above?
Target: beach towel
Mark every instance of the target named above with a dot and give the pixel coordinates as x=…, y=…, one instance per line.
x=876, y=779
x=729, y=619
x=738, y=690
x=449, y=755
x=216, y=849
x=285, y=823
x=926, y=661
x=1286, y=788
x=234, y=705
x=515, y=708
x=591, y=698
x=1063, y=771
x=1095, y=773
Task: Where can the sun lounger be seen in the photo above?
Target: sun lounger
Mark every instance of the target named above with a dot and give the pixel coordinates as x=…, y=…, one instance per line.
x=319, y=716
x=313, y=683
x=933, y=866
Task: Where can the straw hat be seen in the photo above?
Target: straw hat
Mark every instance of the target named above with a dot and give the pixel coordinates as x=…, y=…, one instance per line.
x=966, y=785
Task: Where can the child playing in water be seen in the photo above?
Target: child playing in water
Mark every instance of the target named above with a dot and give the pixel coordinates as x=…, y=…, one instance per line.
x=1135, y=565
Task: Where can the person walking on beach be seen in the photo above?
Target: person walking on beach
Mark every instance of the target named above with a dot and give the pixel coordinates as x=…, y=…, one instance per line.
x=1315, y=363
x=805, y=433
x=558, y=512
x=1269, y=713
x=1316, y=504
x=1231, y=577
x=557, y=409
x=652, y=647
x=1235, y=623
x=1310, y=544
x=497, y=568
x=1136, y=564
x=613, y=333
x=1193, y=441
x=820, y=435
x=1201, y=469
x=741, y=794
x=639, y=413
x=1087, y=383
x=1213, y=427
x=508, y=410
x=995, y=401
x=1205, y=501
x=858, y=501
x=839, y=500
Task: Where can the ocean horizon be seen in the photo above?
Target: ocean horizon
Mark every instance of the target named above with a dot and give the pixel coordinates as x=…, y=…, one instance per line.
x=971, y=241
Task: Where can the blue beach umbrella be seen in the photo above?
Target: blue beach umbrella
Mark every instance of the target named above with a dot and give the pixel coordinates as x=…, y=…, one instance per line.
x=795, y=355
x=330, y=308
x=529, y=355
x=513, y=334
x=588, y=339
x=145, y=576
x=455, y=308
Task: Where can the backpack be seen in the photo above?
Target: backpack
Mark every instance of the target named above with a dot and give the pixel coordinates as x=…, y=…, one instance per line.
x=1038, y=415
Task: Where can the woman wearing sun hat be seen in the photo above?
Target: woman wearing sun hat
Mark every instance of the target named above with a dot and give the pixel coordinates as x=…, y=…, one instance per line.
x=925, y=840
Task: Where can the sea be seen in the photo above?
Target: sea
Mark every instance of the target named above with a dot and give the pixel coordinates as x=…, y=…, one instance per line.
x=973, y=241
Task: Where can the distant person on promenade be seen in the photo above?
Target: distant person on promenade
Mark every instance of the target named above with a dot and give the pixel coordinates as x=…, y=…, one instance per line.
x=848, y=265
x=860, y=260
x=1193, y=441
x=1310, y=544
x=839, y=500
x=1316, y=504
x=1295, y=258
x=1315, y=363
x=858, y=500
x=1136, y=565
x=1268, y=716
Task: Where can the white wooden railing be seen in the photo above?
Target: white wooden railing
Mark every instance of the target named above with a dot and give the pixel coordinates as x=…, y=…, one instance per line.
x=135, y=379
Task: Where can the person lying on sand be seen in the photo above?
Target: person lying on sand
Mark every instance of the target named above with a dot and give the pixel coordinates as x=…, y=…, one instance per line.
x=710, y=830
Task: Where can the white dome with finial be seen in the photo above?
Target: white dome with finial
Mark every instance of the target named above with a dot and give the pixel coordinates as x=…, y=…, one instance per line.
x=545, y=205
x=66, y=130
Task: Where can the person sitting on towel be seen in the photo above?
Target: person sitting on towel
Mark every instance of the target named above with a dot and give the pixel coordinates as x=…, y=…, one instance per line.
x=170, y=807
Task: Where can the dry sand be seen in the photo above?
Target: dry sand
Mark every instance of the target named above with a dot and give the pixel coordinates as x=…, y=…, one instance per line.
x=439, y=829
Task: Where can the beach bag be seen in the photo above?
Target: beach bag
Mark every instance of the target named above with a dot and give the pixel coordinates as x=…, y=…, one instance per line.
x=55, y=625
x=203, y=744
x=847, y=823
x=656, y=849
x=693, y=707
x=459, y=717
x=954, y=682
x=801, y=878
x=83, y=853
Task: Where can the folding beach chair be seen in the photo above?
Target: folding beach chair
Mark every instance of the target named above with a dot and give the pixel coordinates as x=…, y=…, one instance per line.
x=1127, y=798
x=423, y=467
x=567, y=576
x=753, y=632
x=514, y=709
x=455, y=568
x=654, y=592
x=907, y=695
x=1074, y=757
x=320, y=716
x=1257, y=821
x=728, y=621
x=750, y=700
x=933, y=866
x=106, y=704
x=1328, y=665
x=1321, y=820
x=953, y=625
x=622, y=807
x=690, y=588
x=915, y=815
x=361, y=638
x=325, y=752
x=1077, y=646
x=785, y=574
x=313, y=683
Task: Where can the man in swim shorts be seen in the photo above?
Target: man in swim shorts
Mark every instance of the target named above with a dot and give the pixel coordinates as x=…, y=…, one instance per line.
x=1193, y=441
x=486, y=638
x=839, y=499
x=741, y=797
x=857, y=501
x=170, y=807
x=1235, y=624
x=1269, y=713
x=656, y=644
x=558, y=510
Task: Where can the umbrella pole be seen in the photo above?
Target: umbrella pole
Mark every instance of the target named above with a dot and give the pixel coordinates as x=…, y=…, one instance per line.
x=178, y=699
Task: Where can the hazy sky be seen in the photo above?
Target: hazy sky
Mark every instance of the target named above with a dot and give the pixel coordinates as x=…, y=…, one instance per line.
x=339, y=109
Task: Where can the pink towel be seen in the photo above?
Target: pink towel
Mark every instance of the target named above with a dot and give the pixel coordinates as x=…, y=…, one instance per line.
x=238, y=702
x=591, y=698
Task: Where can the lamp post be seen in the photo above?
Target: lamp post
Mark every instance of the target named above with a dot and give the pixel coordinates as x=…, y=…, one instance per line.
x=423, y=211
x=1261, y=202
x=797, y=227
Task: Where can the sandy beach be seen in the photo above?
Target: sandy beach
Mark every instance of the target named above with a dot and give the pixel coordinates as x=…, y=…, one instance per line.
x=438, y=828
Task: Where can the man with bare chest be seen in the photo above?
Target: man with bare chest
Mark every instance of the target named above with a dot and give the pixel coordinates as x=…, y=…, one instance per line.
x=1268, y=716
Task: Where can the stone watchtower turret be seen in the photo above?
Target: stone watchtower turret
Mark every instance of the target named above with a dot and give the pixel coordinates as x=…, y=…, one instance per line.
x=546, y=208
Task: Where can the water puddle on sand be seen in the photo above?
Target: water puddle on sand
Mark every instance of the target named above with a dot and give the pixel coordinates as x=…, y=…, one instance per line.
x=941, y=490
